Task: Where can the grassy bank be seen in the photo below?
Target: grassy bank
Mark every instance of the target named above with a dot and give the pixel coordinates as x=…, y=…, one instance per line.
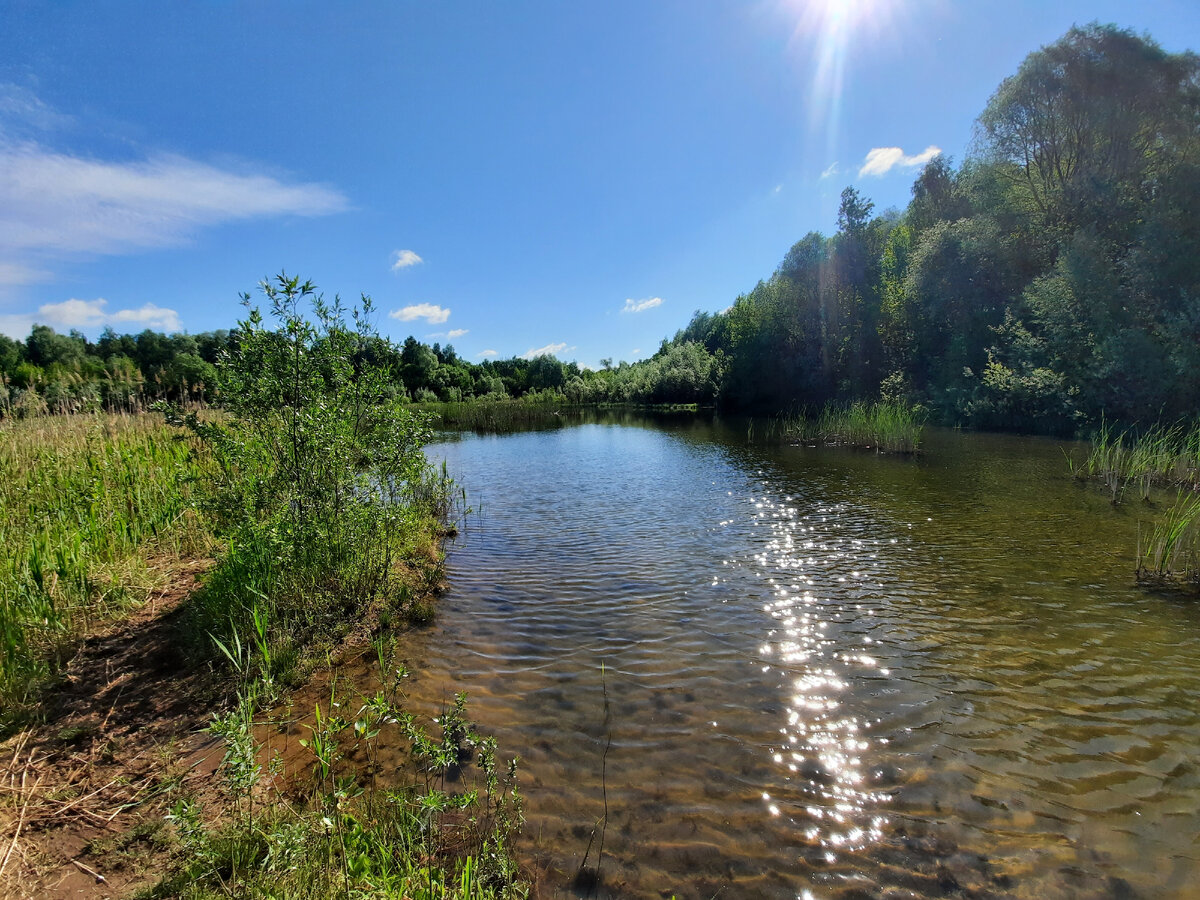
x=886, y=426
x=325, y=520
x=333, y=515
x=94, y=510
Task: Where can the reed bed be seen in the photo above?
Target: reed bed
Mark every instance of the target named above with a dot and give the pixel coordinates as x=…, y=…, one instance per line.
x=499, y=416
x=885, y=426
x=1163, y=456
x=85, y=502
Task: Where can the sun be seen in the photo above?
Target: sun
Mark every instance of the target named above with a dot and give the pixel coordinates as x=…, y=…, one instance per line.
x=826, y=31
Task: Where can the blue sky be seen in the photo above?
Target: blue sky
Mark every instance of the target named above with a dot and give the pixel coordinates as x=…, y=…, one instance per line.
x=512, y=178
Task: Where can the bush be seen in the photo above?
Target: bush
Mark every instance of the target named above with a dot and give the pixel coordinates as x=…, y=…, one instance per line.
x=324, y=483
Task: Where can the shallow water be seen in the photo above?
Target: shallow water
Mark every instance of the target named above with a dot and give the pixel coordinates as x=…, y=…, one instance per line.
x=827, y=672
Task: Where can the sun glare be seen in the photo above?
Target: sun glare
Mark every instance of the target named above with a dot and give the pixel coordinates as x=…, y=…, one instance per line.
x=825, y=32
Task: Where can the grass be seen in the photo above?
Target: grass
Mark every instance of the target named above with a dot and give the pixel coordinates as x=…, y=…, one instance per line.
x=1162, y=456
x=329, y=518
x=92, y=509
x=885, y=426
x=499, y=416
x=1170, y=556
x=445, y=834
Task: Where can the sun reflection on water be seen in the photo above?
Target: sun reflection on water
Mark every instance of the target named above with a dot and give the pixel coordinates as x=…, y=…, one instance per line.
x=812, y=573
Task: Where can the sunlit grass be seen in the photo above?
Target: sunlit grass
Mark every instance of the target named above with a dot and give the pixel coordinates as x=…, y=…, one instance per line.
x=887, y=426
x=1161, y=456
x=86, y=505
x=1170, y=554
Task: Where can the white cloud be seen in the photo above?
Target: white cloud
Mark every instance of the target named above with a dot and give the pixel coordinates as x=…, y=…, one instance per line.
x=56, y=203
x=831, y=171
x=402, y=259
x=777, y=189
x=882, y=160
x=457, y=332
x=637, y=306
x=83, y=314
x=488, y=353
x=434, y=315
x=548, y=350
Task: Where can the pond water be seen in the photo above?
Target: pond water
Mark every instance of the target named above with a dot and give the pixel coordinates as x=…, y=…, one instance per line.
x=794, y=672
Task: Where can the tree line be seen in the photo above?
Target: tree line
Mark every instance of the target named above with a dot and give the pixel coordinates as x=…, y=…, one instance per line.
x=1050, y=281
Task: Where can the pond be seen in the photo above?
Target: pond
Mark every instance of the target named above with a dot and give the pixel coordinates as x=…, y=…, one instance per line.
x=795, y=672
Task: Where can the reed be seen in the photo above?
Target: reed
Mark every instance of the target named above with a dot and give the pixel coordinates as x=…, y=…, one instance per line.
x=93, y=509
x=1170, y=555
x=885, y=426
x=1161, y=456
x=500, y=416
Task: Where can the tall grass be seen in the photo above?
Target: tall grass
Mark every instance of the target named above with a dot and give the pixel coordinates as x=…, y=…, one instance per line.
x=1170, y=555
x=886, y=426
x=85, y=502
x=500, y=416
x=1160, y=456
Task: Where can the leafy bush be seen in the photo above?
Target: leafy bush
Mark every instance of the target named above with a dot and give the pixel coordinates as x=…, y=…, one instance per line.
x=323, y=486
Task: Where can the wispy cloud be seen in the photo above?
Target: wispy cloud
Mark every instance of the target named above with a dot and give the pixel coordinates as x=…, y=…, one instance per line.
x=402, y=259
x=59, y=206
x=548, y=350
x=831, y=171
x=882, y=160
x=487, y=353
x=457, y=332
x=637, y=306
x=87, y=314
x=65, y=205
x=434, y=315
x=21, y=110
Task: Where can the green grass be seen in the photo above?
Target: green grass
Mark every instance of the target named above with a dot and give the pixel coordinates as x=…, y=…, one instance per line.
x=445, y=835
x=1170, y=555
x=1162, y=456
x=501, y=416
x=93, y=508
x=886, y=426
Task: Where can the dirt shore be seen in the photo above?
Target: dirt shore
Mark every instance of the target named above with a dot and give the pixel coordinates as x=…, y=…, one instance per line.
x=83, y=794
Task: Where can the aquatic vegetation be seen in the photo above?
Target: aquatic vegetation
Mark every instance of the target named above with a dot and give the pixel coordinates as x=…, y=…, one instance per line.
x=887, y=426
x=434, y=838
x=93, y=510
x=1170, y=555
x=1158, y=457
x=485, y=416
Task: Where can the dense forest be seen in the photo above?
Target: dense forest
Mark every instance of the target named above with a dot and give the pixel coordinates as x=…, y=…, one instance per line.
x=1049, y=281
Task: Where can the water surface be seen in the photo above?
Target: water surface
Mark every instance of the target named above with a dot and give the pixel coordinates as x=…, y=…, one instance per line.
x=826, y=673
